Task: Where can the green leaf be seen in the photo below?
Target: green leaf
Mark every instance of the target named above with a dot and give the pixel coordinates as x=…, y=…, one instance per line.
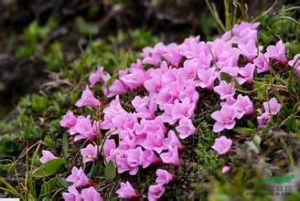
x=257, y=140
x=292, y=82
x=260, y=88
x=9, y=187
x=49, y=186
x=110, y=171
x=65, y=144
x=226, y=77
x=245, y=131
x=252, y=147
x=9, y=168
x=86, y=28
x=49, y=168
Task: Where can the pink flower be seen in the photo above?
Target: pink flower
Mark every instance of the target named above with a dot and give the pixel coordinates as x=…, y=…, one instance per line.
x=133, y=159
x=108, y=149
x=154, y=141
x=246, y=74
x=126, y=191
x=78, y=177
x=117, y=87
x=172, y=141
x=189, y=70
x=272, y=106
x=95, y=77
x=206, y=78
x=185, y=128
x=163, y=177
x=153, y=85
x=238, y=28
x=84, y=129
x=225, y=118
x=296, y=64
x=90, y=194
x=147, y=158
x=249, y=49
x=190, y=46
x=47, y=156
x=72, y=194
x=171, y=156
x=155, y=192
x=225, y=169
x=152, y=56
x=225, y=90
x=243, y=106
x=262, y=63
x=181, y=109
x=263, y=119
x=145, y=107
x=222, y=145
x=90, y=153
x=68, y=120
x=172, y=54
x=134, y=79
x=87, y=99
x=277, y=52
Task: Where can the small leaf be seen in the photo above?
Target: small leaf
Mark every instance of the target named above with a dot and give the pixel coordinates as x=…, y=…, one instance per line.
x=245, y=131
x=49, y=186
x=251, y=146
x=65, y=145
x=110, y=171
x=49, y=168
x=257, y=140
x=226, y=77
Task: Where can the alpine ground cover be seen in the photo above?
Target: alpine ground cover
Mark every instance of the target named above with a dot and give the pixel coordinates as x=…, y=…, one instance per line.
x=228, y=119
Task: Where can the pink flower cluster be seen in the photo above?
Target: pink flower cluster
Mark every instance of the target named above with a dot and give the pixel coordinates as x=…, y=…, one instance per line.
x=80, y=180
x=172, y=76
x=271, y=107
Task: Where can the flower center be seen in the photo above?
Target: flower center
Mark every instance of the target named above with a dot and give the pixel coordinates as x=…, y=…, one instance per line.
x=192, y=75
x=90, y=157
x=227, y=120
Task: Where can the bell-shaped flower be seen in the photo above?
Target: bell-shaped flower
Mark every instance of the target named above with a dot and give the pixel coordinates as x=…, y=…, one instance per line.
x=87, y=99
x=249, y=49
x=126, y=191
x=295, y=63
x=262, y=63
x=263, y=119
x=68, y=120
x=277, y=52
x=245, y=74
x=185, y=128
x=272, y=106
x=89, y=153
x=47, y=156
x=206, y=78
x=225, y=90
x=225, y=118
x=225, y=169
x=163, y=177
x=90, y=194
x=72, y=194
x=155, y=192
x=171, y=156
x=222, y=145
x=243, y=106
x=78, y=177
